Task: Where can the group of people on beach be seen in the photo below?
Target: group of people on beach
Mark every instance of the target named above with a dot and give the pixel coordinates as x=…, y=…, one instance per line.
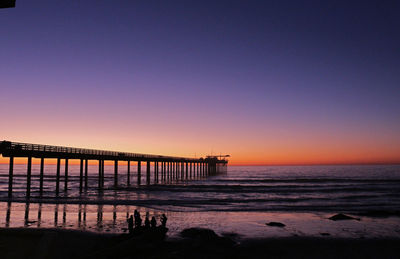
x=135, y=222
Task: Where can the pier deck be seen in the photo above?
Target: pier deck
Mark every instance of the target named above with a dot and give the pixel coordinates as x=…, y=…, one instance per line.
x=166, y=167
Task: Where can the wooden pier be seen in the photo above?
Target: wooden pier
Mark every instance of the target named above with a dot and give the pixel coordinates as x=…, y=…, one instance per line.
x=164, y=167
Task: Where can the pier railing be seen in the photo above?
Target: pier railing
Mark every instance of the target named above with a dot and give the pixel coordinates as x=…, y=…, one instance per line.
x=23, y=148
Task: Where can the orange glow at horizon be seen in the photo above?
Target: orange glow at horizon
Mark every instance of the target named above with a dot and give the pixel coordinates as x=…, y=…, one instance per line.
x=276, y=156
x=282, y=143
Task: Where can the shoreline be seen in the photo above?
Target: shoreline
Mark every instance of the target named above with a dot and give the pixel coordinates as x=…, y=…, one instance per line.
x=248, y=224
x=62, y=243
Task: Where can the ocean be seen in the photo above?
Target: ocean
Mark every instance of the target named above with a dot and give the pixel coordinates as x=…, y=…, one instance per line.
x=241, y=200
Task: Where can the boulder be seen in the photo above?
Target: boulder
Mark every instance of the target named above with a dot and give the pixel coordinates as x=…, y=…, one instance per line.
x=341, y=216
x=275, y=224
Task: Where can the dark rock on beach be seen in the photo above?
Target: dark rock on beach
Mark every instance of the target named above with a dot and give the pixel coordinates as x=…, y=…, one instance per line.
x=275, y=224
x=203, y=235
x=199, y=233
x=341, y=216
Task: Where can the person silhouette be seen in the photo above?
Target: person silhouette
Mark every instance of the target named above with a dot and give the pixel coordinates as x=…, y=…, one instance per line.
x=153, y=222
x=147, y=221
x=138, y=220
x=164, y=220
x=130, y=224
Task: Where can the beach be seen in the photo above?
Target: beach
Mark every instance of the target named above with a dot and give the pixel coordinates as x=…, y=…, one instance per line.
x=57, y=243
x=254, y=212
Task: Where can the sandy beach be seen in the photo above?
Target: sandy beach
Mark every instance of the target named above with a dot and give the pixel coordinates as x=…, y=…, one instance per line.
x=57, y=243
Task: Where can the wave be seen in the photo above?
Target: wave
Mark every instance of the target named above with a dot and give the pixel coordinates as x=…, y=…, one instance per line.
x=229, y=205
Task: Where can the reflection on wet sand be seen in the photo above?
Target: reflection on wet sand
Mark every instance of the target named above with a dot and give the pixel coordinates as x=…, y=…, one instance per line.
x=115, y=222
x=64, y=218
x=56, y=216
x=8, y=214
x=113, y=218
x=26, y=217
x=39, y=215
x=110, y=218
x=100, y=217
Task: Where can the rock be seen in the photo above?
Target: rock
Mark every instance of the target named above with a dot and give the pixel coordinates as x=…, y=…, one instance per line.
x=341, y=216
x=207, y=236
x=200, y=233
x=275, y=224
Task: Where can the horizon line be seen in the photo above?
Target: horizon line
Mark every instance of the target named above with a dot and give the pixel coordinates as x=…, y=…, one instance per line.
x=234, y=164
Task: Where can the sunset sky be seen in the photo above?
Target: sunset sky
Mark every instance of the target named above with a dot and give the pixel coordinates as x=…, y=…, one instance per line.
x=268, y=82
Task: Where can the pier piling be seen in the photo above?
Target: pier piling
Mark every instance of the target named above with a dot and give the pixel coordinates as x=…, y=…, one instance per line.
x=148, y=172
x=128, y=180
x=10, y=176
x=115, y=173
x=28, y=177
x=86, y=173
x=139, y=172
x=81, y=176
x=66, y=176
x=100, y=165
x=58, y=176
x=41, y=175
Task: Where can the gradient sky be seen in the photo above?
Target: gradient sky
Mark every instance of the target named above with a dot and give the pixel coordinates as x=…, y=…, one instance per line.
x=269, y=82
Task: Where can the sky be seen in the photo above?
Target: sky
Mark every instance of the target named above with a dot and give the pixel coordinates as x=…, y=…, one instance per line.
x=268, y=82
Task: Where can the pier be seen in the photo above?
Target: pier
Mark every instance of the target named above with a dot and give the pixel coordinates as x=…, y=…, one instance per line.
x=165, y=168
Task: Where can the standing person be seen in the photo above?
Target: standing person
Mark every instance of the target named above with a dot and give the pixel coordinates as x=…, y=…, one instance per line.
x=153, y=222
x=138, y=220
x=130, y=224
x=147, y=221
x=164, y=220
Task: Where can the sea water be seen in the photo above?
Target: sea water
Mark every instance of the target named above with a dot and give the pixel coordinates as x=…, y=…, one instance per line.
x=240, y=201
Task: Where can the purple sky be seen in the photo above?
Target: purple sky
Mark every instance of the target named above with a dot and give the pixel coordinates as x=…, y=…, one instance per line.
x=251, y=78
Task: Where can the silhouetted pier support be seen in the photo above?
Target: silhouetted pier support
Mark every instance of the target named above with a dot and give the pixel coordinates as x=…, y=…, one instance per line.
x=58, y=176
x=100, y=169
x=81, y=176
x=10, y=176
x=102, y=173
x=66, y=176
x=148, y=172
x=41, y=175
x=162, y=171
x=128, y=180
x=169, y=171
x=155, y=172
x=28, y=177
x=139, y=172
x=115, y=173
x=86, y=173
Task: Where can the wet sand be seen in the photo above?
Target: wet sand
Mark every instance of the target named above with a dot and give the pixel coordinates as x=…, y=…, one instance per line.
x=59, y=243
x=112, y=219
